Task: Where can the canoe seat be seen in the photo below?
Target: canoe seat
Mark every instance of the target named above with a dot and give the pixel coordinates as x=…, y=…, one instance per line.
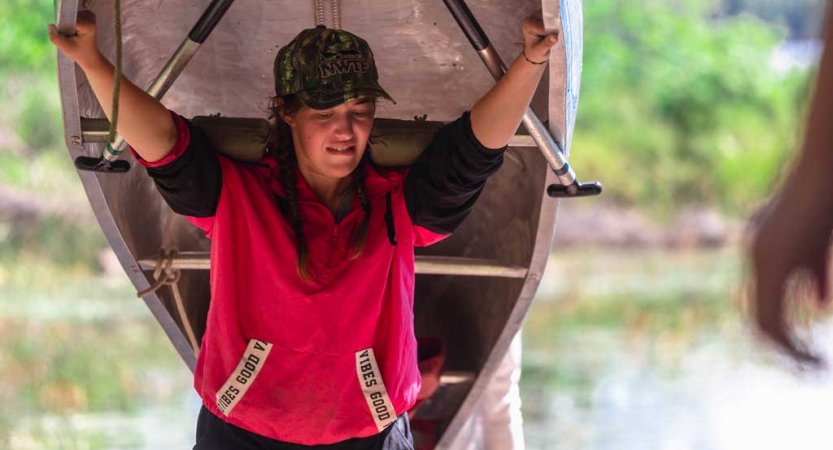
x=392, y=142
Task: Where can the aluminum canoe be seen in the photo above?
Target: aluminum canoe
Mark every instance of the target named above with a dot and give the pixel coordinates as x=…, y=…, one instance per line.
x=473, y=289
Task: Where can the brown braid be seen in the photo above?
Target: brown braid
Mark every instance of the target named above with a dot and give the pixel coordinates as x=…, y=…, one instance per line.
x=360, y=235
x=287, y=164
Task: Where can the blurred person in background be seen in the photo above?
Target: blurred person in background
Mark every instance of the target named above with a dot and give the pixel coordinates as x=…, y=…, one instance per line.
x=497, y=422
x=793, y=234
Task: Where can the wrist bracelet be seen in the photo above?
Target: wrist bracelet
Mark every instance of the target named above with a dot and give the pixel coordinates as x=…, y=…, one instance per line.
x=523, y=52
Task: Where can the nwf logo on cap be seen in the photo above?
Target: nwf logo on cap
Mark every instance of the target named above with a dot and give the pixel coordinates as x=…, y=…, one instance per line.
x=342, y=66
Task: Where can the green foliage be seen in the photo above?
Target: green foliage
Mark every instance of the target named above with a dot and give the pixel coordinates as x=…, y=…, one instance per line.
x=28, y=84
x=37, y=114
x=24, y=35
x=13, y=170
x=78, y=346
x=29, y=93
x=62, y=241
x=678, y=107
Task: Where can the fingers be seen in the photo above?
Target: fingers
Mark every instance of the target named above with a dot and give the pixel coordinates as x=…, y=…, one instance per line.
x=770, y=316
x=533, y=30
x=56, y=38
x=84, y=24
x=537, y=42
x=81, y=45
x=796, y=351
x=534, y=26
x=772, y=325
x=545, y=43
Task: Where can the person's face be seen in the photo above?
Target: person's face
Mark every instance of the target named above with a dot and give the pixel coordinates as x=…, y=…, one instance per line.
x=330, y=143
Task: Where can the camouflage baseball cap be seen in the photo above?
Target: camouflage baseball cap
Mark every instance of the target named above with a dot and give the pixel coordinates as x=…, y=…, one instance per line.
x=327, y=67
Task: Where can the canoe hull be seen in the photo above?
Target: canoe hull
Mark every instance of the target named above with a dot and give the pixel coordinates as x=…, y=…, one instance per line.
x=428, y=66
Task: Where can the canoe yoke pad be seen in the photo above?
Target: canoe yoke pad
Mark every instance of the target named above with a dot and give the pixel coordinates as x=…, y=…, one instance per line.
x=393, y=142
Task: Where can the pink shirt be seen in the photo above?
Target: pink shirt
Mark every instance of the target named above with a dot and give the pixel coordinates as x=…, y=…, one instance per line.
x=306, y=362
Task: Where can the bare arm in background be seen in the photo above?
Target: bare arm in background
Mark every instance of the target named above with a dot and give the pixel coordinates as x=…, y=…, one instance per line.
x=795, y=230
x=495, y=117
x=143, y=121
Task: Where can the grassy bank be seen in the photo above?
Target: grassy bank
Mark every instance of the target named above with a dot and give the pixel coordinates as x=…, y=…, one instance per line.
x=655, y=306
x=630, y=350
x=76, y=351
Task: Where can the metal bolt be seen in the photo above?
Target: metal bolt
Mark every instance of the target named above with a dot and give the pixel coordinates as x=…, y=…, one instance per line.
x=76, y=140
x=534, y=277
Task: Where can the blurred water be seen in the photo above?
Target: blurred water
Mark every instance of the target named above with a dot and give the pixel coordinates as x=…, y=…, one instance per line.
x=720, y=390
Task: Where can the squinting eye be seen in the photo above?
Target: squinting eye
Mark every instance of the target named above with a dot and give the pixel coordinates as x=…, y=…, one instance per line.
x=362, y=113
x=323, y=116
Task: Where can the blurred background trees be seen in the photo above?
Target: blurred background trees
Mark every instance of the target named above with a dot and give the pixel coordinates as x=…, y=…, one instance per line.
x=43, y=210
x=680, y=103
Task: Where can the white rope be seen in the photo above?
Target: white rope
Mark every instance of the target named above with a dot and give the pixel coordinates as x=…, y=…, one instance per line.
x=163, y=274
x=318, y=11
x=336, y=9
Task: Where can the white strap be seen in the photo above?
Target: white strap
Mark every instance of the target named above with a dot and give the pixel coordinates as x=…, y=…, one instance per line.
x=318, y=13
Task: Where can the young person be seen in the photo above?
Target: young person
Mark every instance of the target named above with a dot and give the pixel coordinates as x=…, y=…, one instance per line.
x=310, y=339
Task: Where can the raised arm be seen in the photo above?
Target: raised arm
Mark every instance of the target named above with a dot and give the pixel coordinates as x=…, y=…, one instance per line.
x=794, y=231
x=496, y=116
x=143, y=121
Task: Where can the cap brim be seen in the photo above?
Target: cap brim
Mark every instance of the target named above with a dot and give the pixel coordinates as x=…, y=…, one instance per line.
x=327, y=100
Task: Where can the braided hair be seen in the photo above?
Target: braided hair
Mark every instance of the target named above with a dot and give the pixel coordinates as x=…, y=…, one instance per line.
x=287, y=164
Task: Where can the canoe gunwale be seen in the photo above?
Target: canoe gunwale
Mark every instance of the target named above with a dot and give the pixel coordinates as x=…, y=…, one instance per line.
x=67, y=11
x=545, y=236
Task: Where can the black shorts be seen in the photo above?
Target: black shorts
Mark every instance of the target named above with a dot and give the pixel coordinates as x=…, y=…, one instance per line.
x=214, y=433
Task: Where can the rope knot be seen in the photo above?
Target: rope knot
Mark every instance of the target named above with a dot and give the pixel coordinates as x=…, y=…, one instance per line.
x=166, y=274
